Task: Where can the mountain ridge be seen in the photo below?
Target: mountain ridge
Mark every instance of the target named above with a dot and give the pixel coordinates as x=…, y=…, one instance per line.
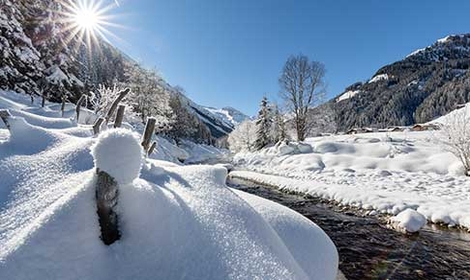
x=424, y=85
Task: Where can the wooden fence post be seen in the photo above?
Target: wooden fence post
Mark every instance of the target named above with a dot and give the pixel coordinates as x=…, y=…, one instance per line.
x=5, y=115
x=97, y=125
x=149, y=130
x=119, y=116
x=116, y=101
x=43, y=102
x=152, y=148
x=79, y=106
x=106, y=201
x=62, y=108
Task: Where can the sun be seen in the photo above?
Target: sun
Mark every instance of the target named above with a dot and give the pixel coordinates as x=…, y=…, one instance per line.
x=87, y=21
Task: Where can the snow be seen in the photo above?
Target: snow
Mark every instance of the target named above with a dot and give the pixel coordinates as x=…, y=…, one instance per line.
x=377, y=78
x=55, y=75
x=201, y=153
x=348, y=94
x=118, y=153
x=454, y=115
x=385, y=171
x=409, y=220
x=176, y=222
x=307, y=239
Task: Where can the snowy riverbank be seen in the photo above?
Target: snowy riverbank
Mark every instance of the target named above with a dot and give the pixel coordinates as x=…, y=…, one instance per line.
x=385, y=172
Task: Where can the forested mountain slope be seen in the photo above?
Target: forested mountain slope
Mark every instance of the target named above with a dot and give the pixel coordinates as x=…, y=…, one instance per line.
x=426, y=84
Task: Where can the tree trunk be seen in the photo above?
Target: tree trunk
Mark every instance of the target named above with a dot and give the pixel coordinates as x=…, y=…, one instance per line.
x=119, y=116
x=106, y=200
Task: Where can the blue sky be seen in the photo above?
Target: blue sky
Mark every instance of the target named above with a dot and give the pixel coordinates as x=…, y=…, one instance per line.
x=230, y=52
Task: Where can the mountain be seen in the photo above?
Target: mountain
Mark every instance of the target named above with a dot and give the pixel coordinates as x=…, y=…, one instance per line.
x=426, y=84
x=229, y=115
x=41, y=57
x=220, y=122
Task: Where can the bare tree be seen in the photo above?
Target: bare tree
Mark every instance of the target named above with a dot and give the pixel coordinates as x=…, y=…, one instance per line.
x=455, y=135
x=302, y=87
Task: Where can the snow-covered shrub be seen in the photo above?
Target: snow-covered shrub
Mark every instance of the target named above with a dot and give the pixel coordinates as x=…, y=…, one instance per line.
x=455, y=136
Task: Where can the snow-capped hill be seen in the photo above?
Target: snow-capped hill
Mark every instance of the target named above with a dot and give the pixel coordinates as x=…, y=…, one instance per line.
x=228, y=114
x=449, y=47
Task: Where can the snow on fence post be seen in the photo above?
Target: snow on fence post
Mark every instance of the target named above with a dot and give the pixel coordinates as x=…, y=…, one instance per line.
x=116, y=101
x=118, y=158
x=5, y=115
x=79, y=105
x=149, y=129
x=119, y=116
x=97, y=125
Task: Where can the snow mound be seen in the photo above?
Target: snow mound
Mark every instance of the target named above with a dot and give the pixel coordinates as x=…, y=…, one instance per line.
x=308, y=238
x=118, y=153
x=409, y=220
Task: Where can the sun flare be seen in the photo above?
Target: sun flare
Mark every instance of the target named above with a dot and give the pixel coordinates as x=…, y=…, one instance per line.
x=87, y=21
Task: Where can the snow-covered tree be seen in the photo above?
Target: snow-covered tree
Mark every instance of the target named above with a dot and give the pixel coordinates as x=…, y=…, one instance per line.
x=19, y=59
x=149, y=96
x=263, y=125
x=243, y=137
x=455, y=136
x=278, y=128
x=184, y=124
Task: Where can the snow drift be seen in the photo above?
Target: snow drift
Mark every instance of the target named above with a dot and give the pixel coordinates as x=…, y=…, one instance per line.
x=176, y=222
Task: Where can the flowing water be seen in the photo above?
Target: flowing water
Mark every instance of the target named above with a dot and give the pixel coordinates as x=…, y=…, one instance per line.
x=369, y=249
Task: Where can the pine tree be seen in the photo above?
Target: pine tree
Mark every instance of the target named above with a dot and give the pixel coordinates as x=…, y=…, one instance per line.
x=19, y=59
x=278, y=128
x=263, y=124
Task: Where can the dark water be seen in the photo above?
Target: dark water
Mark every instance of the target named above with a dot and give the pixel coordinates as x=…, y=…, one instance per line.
x=368, y=249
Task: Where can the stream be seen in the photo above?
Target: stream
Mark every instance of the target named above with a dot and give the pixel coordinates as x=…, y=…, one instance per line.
x=369, y=249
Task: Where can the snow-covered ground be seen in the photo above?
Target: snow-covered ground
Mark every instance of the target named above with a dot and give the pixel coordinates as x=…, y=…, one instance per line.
x=386, y=172
x=176, y=222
